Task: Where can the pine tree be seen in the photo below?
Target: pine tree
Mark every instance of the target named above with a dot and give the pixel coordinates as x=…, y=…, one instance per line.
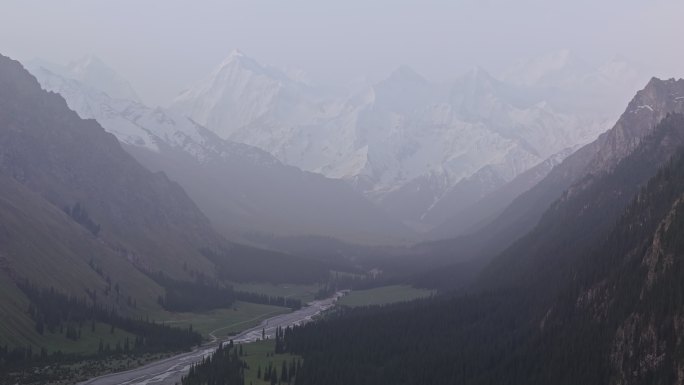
x=283, y=373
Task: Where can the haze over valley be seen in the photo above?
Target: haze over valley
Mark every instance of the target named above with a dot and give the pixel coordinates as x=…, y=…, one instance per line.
x=462, y=193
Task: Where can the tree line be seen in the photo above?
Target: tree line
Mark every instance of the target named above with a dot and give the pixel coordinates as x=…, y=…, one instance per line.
x=203, y=295
x=223, y=367
x=80, y=215
x=226, y=367
x=53, y=311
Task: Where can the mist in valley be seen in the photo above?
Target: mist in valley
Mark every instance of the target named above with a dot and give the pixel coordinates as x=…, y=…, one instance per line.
x=301, y=192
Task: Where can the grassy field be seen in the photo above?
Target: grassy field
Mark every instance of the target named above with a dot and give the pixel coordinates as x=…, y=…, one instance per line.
x=305, y=293
x=223, y=322
x=260, y=355
x=383, y=295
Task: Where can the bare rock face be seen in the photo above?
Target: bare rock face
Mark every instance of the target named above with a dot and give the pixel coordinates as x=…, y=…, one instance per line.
x=650, y=105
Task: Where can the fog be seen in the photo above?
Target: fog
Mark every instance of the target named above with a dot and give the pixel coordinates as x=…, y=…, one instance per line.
x=162, y=47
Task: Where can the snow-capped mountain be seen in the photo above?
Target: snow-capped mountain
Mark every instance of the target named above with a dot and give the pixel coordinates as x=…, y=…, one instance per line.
x=241, y=93
x=405, y=142
x=92, y=71
x=242, y=189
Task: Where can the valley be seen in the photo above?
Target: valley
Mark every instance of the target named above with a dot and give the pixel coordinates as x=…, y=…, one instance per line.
x=367, y=193
x=170, y=370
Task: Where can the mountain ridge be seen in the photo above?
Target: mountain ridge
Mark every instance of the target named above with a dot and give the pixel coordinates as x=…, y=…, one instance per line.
x=403, y=142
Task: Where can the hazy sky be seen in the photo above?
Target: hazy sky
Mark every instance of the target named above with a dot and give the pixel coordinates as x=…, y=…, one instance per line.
x=164, y=46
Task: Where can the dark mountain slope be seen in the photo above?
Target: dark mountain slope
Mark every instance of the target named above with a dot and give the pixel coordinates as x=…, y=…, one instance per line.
x=583, y=214
x=624, y=305
x=41, y=243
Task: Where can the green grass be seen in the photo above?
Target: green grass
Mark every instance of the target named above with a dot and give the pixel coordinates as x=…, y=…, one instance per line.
x=259, y=354
x=16, y=327
x=224, y=322
x=383, y=295
x=305, y=293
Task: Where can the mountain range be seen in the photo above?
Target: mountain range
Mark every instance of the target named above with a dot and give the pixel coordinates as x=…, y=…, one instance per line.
x=426, y=155
x=421, y=150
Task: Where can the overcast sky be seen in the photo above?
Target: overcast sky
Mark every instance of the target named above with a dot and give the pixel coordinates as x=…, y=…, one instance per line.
x=162, y=46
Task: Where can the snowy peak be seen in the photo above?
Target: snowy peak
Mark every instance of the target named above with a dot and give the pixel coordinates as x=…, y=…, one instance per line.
x=93, y=72
x=235, y=54
x=238, y=61
x=241, y=92
x=404, y=89
x=475, y=82
x=405, y=74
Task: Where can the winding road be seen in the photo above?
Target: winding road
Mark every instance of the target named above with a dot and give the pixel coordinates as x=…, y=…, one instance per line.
x=170, y=370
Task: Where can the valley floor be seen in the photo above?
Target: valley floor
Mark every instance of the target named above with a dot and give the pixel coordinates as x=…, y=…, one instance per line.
x=170, y=370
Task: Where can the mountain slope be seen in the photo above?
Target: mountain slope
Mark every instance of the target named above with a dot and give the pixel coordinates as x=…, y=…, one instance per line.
x=44, y=245
x=69, y=161
x=240, y=188
x=623, y=307
x=585, y=212
x=595, y=297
